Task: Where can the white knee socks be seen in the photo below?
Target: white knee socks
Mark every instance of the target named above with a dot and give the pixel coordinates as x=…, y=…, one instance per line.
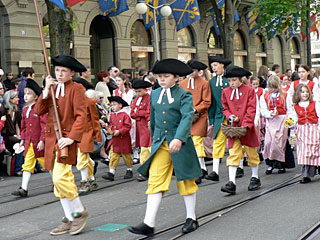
x=153, y=204
x=76, y=205
x=215, y=165
x=25, y=180
x=255, y=171
x=202, y=163
x=232, y=173
x=84, y=174
x=66, y=205
x=190, y=203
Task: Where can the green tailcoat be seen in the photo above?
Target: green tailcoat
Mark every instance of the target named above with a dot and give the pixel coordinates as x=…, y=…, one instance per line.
x=216, y=116
x=173, y=121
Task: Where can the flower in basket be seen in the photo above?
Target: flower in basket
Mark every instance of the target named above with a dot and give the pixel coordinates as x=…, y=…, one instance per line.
x=288, y=123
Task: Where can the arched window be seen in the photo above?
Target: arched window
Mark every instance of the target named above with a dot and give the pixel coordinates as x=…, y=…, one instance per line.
x=214, y=43
x=278, y=52
x=294, y=52
x=141, y=47
x=260, y=52
x=186, y=48
x=240, y=51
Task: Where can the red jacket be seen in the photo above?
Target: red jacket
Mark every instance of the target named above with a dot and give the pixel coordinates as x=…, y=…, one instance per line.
x=33, y=130
x=141, y=114
x=122, y=122
x=259, y=92
x=310, y=84
x=280, y=103
x=245, y=109
x=306, y=115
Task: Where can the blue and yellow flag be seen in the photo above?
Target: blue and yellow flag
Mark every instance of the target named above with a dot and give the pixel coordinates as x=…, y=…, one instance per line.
x=185, y=12
x=148, y=18
x=289, y=30
x=113, y=7
x=59, y=3
x=252, y=17
x=221, y=5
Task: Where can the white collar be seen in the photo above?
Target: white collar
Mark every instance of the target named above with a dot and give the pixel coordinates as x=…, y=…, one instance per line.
x=29, y=110
x=168, y=92
x=219, y=80
x=60, y=90
x=191, y=82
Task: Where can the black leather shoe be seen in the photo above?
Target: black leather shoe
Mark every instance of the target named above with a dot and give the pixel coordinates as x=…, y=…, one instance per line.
x=190, y=225
x=198, y=181
x=142, y=229
x=254, y=184
x=230, y=187
x=204, y=174
x=269, y=171
x=305, y=180
x=128, y=174
x=20, y=192
x=282, y=170
x=213, y=176
x=239, y=173
x=109, y=176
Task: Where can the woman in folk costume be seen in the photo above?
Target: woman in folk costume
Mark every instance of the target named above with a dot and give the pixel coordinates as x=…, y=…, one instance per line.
x=306, y=116
x=140, y=111
x=239, y=106
x=201, y=97
x=71, y=108
x=216, y=117
x=304, y=74
x=172, y=146
x=274, y=110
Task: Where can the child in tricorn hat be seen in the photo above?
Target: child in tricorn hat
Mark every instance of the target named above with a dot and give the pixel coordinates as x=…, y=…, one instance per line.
x=120, y=144
x=239, y=107
x=32, y=136
x=71, y=109
x=172, y=146
x=140, y=111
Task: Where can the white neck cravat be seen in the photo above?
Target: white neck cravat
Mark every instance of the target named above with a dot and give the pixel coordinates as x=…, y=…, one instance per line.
x=168, y=92
x=138, y=101
x=191, y=82
x=235, y=91
x=219, y=81
x=29, y=110
x=60, y=90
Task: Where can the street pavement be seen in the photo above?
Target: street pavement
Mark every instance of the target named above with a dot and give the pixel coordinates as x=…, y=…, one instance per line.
x=283, y=214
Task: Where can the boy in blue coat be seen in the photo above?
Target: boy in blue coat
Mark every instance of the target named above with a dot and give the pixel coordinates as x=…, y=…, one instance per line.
x=172, y=146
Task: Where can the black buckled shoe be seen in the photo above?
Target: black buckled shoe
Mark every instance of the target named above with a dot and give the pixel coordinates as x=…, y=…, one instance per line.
x=254, y=184
x=239, y=173
x=142, y=229
x=190, y=225
x=230, y=187
x=282, y=170
x=269, y=171
x=213, y=176
x=305, y=180
x=109, y=176
x=128, y=175
x=198, y=181
x=20, y=192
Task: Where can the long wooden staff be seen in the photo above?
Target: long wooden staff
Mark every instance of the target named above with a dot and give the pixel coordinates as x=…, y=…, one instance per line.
x=56, y=119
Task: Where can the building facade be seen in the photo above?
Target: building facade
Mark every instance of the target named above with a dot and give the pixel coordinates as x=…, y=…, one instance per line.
x=100, y=41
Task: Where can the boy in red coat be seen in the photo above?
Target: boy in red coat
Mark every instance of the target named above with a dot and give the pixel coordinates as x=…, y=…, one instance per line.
x=120, y=144
x=239, y=107
x=140, y=111
x=32, y=136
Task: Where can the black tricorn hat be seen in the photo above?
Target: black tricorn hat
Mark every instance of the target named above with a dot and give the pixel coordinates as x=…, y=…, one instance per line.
x=235, y=71
x=219, y=59
x=34, y=86
x=141, y=84
x=68, y=61
x=173, y=66
x=194, y=64
x=118, y=100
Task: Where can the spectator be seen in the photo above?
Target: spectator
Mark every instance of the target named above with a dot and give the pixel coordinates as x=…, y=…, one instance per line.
x=275, y=69
x=113, y=71
x=263, y=76
x=8, y=81
x=289, y=73
x=28, y=72
x=142, y=73
x=84, y=79
x=102, y=85
x=124, y=91
x=2, y=90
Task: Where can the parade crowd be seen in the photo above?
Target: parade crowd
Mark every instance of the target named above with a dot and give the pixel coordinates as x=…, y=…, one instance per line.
x=171, y=120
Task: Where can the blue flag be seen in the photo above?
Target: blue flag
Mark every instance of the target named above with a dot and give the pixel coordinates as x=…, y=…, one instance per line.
x=113, y=7
x=148, y=18
x=185, y=12
x=221, y=5
x=252, y=17
x=59, y=3
x=272, y=28
x=289, y=30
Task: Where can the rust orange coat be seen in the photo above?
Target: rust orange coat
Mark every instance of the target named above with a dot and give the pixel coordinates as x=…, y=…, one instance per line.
x=92, y=128
x=72, y=113
x=201, y=102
